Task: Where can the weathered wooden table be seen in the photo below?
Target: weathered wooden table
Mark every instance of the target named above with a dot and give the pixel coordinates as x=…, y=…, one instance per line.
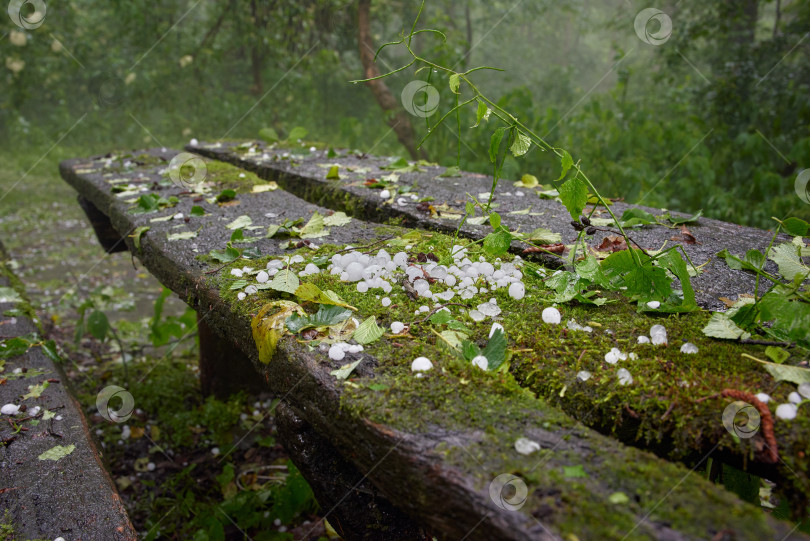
x=390, y=455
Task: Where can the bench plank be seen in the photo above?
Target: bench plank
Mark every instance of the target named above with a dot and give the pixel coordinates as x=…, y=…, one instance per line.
x=72, y=497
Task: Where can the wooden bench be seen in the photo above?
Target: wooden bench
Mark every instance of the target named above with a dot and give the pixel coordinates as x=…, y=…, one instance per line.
x=52, y=480
x=427, y=452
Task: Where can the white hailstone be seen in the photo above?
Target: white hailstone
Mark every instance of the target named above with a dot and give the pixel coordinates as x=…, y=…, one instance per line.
x=193, y=142
x=551, y=315
x=33, y=411
x=237, y=272
x=402, y=201
x=10, y=409
x=251, y=290
x=386, y=302
x=764, y=398
x=467, y=294
x=59, y=539
x=486, y=268
x=643, y=340
x=312, y=149
x=275, y=264
x=262, y=277
x=653, y=304
x=178, y=216
x=446, y=295
x=450, y=280
x=794, y=397
x=424, y=308
x=336, y=352
x=362, y=287
x=354, y=272
x=401, y=259
x=574, y=326
x=632, y=356
x=439, y=272
x=397, y=327
x=150, y=466
x=215, y=451
x=624, y=376
x=689, y=347
x=495, y=327
x=241, y=295
x=481, y=362
x=421, y=364
x=658, y=335
x=477, y=316
x=413, y=273
x=517, y=290
x=489, y=309
x=525, y=446
x=583, y=375
x=519, y=194
x=804, y=389
x=247, y=269
x=786, y=411
x=355, y=348
x=385, y=194
x=298, y=258
x=312, y=268
x=614, y=355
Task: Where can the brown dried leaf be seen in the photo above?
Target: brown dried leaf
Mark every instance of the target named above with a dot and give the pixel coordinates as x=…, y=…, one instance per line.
x=613, y=243
x=686, y=236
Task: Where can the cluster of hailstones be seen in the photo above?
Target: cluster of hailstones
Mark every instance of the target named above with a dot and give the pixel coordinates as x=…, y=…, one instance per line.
x=466, y=279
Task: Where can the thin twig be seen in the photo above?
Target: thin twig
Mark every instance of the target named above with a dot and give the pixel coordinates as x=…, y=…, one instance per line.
x=767, y=343
x=386, y=239
x=436, y=310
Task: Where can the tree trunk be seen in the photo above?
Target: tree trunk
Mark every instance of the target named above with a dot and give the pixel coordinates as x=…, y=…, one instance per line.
x=398, y=118
x=468, y=19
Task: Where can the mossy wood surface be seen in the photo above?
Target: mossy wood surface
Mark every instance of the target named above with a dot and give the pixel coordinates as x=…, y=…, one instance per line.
x=433, y=445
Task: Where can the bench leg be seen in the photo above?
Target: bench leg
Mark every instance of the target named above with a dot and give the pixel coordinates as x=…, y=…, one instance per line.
x=108, y=237
x=224, y=369
x=353, y=505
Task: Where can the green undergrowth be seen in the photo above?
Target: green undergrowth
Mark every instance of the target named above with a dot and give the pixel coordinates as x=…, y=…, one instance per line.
x=189, y=467
x=544, y=360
